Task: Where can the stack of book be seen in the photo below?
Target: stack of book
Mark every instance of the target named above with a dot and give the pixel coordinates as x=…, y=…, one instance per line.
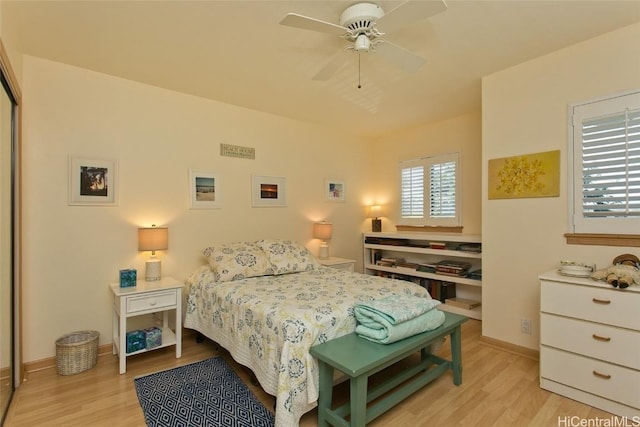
x=390, y=262
x=453, y=268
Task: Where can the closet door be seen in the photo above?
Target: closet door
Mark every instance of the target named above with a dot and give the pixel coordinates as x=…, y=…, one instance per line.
x=8, y=239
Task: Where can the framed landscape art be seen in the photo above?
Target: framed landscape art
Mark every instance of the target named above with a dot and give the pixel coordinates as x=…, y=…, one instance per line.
x=268, y=191
x=204, y=190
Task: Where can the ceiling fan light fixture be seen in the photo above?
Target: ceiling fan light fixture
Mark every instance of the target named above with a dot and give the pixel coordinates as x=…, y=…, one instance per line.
x=362, y=43
x=361, y=17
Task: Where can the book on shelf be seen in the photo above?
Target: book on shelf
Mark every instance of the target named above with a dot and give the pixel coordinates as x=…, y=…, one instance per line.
x=441, y=290
x=470, y=247
x=452, y=268
x=390, y=262
x=411, y=265
x=467, y=304
x=426, y=268
x=437, y=245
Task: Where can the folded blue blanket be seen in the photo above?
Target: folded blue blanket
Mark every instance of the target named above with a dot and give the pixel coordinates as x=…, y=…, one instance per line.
x=396, y=317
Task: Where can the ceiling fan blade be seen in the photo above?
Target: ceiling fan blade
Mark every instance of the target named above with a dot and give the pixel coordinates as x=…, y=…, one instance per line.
x=408, y=13
x=306, y=23
x=331, y=67
x=404, y=59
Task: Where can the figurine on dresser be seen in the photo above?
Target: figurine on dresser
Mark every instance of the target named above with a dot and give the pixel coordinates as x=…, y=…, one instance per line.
x=624, y=272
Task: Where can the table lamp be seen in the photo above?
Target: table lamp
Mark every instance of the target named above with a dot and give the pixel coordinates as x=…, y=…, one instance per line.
x=376, y=223
x=322, y=231
x=153, y=239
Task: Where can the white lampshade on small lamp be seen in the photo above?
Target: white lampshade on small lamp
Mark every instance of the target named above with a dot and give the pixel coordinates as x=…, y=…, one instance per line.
x=153, y=239
x=322, y=231
x=376, y=223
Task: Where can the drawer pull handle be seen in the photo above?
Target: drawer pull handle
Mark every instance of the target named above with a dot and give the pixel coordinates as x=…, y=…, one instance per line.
x=601, y=375
x=599, y=338
x=601, y=301
x=153, y=302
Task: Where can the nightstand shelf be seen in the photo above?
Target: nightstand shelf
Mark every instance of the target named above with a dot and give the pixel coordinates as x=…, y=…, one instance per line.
x=164, y=295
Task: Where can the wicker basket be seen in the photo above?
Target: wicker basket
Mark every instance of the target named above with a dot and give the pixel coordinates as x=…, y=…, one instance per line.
x=76, y=352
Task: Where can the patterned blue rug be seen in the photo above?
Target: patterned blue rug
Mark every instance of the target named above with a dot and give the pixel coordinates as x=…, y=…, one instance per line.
x=205, y=393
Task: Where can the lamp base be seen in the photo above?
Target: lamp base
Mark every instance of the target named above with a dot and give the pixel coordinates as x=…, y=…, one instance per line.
x=376, y=225
x=324, y=251
x=152, y=270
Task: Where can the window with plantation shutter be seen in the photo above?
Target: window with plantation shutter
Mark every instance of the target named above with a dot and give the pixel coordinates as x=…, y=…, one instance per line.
x=605, y=142
x=430, y=191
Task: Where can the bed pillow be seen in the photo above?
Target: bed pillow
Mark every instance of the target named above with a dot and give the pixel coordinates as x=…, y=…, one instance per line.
x=288, y=256
x=235, y=261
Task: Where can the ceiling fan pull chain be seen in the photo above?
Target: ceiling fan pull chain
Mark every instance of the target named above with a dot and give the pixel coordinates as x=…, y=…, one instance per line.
x=359, y=85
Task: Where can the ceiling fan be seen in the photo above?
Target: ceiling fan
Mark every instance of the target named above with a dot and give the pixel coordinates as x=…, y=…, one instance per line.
x=364, y=26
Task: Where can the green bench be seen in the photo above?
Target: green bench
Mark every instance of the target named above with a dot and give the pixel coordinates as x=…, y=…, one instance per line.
x=359, y=358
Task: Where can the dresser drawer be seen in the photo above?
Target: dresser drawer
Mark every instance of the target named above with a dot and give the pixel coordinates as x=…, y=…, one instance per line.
x=608, y=343
x=156, y=300
x=593, y=376
x=610, y=306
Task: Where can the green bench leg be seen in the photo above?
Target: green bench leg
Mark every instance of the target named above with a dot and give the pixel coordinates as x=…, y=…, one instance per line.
x=358, y=394
x=456, y=355
x=325, y=392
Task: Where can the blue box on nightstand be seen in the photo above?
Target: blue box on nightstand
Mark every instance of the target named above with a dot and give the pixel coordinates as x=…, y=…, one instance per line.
x=153, y=337
x=136, y=340
x=128, y=278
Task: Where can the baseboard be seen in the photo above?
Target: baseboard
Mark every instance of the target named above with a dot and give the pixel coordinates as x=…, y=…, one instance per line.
x=50, y=362
x=511, y=348
x=103, y=350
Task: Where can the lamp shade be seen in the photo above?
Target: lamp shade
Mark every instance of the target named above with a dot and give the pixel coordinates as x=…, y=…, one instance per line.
x=153, y=238
x=375, y=211
x=322, y=230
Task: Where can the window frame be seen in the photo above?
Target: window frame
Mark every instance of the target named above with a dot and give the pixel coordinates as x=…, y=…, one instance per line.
x=577, y=113
x=426, y=162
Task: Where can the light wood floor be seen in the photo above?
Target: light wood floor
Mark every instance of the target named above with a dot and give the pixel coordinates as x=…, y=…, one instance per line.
x=498, y=388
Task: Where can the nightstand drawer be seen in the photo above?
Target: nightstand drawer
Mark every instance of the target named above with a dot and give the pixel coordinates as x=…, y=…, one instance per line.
x=348, y=266
x=156, y=300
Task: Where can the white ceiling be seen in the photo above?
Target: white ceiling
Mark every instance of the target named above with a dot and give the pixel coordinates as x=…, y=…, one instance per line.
x=236, y=51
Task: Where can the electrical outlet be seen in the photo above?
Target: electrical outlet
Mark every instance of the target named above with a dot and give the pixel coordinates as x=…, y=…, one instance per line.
x=525, y=326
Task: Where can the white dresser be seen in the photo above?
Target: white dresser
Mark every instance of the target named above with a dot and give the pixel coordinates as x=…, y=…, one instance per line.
x=590, y=342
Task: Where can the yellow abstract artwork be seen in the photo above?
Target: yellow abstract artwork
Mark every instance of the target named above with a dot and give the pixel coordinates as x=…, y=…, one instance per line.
x=529, y=175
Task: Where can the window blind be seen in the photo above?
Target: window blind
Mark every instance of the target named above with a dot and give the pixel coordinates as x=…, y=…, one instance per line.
x=412, y=187
x=611, y=165
x=442, y=190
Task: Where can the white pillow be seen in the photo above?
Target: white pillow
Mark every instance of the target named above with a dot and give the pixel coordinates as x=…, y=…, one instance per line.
x=288, y=256
x=235, y=261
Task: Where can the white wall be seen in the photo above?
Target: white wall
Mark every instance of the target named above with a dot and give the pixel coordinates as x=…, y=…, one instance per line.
x=72, y=253
x=524, y=110
x=460, y=134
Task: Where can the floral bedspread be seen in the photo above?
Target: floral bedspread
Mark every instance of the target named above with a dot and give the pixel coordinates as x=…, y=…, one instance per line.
x=269, y=324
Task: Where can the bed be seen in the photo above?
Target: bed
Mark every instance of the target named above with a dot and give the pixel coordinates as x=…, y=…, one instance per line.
x=268, y=302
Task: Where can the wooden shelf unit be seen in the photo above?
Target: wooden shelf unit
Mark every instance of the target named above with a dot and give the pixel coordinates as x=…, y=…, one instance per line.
x=414, y=248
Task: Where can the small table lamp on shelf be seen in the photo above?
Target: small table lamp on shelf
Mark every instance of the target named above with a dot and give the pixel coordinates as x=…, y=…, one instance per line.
x=153, y=239
x=322, y=231
x=376, y=223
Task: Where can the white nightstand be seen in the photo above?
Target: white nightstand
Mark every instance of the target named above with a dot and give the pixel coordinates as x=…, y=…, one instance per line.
x=163, y=296
x=338, y=263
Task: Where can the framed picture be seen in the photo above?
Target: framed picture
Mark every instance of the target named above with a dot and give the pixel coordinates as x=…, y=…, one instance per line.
x=204, y=188
x=268, y=191
x=334, y=190
x=93, y=182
